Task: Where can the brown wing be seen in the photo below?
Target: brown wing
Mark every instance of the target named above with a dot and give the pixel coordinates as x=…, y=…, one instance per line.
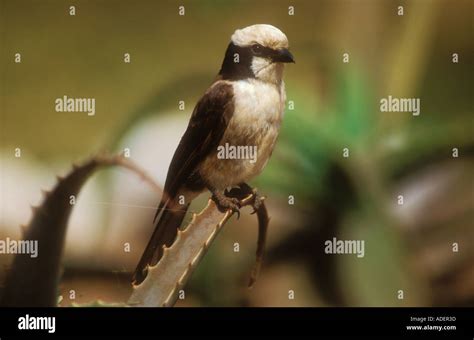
x=205, y=130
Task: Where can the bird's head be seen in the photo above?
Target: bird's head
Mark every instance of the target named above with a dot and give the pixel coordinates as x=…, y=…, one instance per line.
x=257, y=51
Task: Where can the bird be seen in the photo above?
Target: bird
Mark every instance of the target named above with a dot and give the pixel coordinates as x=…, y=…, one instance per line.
x=243, y=107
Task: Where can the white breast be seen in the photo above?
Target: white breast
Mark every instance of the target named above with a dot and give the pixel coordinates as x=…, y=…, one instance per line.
x=256, y=121
x=257, y=100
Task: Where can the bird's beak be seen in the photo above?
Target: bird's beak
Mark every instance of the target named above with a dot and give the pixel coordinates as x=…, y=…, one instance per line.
x=283, y=56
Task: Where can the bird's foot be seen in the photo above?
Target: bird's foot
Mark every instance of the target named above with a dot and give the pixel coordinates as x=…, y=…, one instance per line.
x=257, y=201
x=225, y=203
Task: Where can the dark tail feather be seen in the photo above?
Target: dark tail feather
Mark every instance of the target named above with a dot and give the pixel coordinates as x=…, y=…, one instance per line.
x=165, y=232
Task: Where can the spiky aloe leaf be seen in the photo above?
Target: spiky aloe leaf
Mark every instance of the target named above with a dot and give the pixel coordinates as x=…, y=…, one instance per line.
x=33, y=282
x=164, y=280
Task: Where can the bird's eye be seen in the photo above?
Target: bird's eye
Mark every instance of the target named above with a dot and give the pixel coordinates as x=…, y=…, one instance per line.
x=256, y=48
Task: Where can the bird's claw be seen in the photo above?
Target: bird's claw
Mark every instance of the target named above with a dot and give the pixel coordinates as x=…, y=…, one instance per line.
x=257, y=202
x=225, y=203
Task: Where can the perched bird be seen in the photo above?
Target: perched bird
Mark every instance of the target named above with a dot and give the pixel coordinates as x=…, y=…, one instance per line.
x=243, y=108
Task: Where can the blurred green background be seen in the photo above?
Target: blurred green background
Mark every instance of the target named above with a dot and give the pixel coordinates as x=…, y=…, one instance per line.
x=336, y=106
